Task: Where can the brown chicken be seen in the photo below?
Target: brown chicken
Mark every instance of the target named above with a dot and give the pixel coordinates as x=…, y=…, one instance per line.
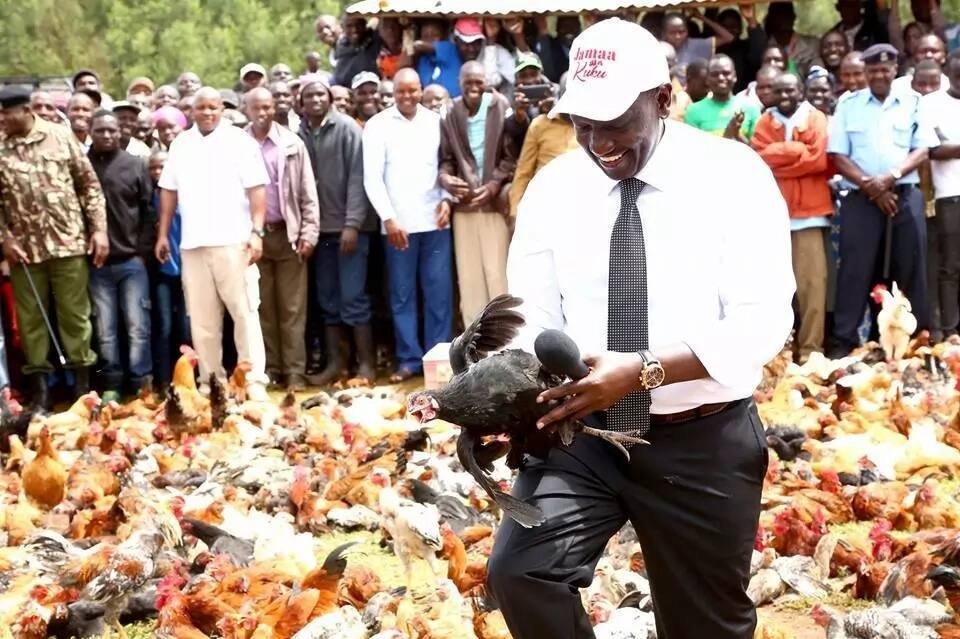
x=92, y=477
x=797, y=532
x=71, y=424
x=908, y=577
x=358, y=585
x=237, y=384
x=880, y=500
x=465, y=575
x=173, y=618
x=45, y=477
x=931, y=510
x=811, y=501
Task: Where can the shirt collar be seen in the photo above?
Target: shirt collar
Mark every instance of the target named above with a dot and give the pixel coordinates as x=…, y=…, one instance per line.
x=661, y=168
x=891, y=100
x=798, y=115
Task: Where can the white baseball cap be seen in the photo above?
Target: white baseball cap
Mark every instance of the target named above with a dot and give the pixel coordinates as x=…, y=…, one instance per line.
x=611, y=63
x=252, y=67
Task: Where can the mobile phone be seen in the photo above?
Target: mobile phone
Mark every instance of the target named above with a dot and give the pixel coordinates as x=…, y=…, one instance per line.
x=536, y=92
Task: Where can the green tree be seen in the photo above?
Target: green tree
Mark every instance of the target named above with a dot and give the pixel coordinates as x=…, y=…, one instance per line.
x=158, y=38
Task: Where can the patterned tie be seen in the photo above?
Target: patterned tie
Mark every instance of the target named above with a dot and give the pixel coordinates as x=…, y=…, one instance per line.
x=627, y=330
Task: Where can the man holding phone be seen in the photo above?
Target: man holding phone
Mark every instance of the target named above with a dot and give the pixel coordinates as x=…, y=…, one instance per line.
x=474, y=164
x=533, y=95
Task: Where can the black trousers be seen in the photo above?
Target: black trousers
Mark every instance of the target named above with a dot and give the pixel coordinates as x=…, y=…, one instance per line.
x=693, y=497
x=861, y=250
x=947, y=224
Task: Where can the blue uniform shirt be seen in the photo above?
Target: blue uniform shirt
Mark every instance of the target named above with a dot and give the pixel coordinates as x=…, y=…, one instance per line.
x=878, y=137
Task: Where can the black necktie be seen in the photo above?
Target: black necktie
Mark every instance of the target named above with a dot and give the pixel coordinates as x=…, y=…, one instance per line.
x=627, y=330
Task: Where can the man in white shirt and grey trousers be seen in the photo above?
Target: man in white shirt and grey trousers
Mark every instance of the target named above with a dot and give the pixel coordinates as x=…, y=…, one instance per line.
x=678, y=296
x=215, y=173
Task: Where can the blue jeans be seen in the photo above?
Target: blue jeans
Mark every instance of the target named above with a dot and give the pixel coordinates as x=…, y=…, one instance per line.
x=173, y=324
x=429, y=256
x=124, y=288
x=342, y=281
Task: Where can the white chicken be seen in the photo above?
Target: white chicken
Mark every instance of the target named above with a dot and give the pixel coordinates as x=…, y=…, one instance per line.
x=895, y=321
x=415, y=528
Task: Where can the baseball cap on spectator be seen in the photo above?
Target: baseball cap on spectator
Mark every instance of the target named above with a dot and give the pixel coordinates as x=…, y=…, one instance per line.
x=82, y=72
x=123, y=105
x=252, y=67
x=468, y=29
x=143, y=82
x=527, y=60
x=230, y=98
x=170, y=114
x=611, y=63
x=96, y=96
x=363, y=77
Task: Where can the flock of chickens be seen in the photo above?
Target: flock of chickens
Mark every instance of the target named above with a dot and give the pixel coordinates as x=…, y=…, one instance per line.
x=341, y=517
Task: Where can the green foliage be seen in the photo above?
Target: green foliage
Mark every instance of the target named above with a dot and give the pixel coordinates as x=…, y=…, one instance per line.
x=122, y=39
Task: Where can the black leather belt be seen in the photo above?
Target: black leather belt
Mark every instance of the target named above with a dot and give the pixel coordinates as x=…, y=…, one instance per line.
x=704, y=410
x=271, y=227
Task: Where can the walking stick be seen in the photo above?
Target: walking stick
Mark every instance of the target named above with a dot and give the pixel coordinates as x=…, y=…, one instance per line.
x=43, y=314
x=887, y=248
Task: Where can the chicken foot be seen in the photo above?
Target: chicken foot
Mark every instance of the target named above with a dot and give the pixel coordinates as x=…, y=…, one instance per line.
x=615, y=438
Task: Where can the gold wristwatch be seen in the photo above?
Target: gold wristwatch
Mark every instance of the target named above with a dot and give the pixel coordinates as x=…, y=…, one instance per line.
x=651, y=375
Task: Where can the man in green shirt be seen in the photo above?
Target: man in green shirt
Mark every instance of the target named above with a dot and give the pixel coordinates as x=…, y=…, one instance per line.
x=721, y=113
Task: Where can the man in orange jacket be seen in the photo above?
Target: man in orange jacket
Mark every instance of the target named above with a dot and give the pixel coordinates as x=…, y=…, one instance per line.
x=791, y=137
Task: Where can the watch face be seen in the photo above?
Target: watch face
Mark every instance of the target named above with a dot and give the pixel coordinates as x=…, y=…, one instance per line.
x=653, y=376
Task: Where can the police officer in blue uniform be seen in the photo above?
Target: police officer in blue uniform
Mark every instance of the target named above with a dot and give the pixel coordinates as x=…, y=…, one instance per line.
x=877, y=143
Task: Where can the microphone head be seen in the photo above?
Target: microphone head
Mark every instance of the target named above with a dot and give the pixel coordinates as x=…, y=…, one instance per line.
x=559, y=354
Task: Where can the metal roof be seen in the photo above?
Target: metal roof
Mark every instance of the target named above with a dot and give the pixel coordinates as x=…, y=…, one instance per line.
x=414, y=8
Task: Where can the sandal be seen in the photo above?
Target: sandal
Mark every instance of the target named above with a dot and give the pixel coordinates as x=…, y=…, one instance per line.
x=402, y=375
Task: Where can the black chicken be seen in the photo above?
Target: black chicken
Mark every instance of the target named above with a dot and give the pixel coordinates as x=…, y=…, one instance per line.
x=496, y=396
x=218, y=402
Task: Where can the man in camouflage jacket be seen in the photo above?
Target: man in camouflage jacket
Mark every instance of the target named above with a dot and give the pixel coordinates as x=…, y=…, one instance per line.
x=52, y=215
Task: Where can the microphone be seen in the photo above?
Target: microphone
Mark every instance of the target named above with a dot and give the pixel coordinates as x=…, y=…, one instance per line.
x=559, y=354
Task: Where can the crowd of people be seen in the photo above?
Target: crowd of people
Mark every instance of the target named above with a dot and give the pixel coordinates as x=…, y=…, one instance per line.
x=144, y=218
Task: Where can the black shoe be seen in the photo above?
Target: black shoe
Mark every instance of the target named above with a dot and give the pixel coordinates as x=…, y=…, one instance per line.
x=81, y=381
x=366, y=360
x=336, y=352
x=39, y=392
x=836, y=351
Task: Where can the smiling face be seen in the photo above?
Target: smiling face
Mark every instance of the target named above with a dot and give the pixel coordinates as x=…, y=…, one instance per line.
x=207, y=110
x=127, y=119
x=820, y=95
x=365, y=97
x=342, y=99
x=880, y=76
x=621, y=147
x=853, y=73
x=833, y=46
x=260, y=110
x=87, y=82
x=167, y=131
x=786, y=94
x=472, y=85
x=79, y=112
x=721, y=77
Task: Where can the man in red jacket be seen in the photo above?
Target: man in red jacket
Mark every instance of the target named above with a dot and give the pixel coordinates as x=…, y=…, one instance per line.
x=791, y=137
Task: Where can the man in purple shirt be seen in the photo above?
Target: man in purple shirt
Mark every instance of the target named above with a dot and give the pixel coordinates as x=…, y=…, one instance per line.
x=291, y=228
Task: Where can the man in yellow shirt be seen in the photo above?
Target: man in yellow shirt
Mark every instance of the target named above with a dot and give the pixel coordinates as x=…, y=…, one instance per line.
x=546, y=139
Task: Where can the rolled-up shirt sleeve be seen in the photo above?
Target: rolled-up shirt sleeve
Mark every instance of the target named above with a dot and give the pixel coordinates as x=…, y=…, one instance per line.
x=531, y=272
x=756, y=286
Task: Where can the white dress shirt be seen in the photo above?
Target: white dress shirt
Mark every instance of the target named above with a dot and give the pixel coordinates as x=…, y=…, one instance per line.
x=211, y=174
x=400, y=167
x=719, y=272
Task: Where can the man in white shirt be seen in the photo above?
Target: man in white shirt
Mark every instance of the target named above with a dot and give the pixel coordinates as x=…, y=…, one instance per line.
x=216, y=175
x=940, y=111
x=694, y=287
x=400, y=169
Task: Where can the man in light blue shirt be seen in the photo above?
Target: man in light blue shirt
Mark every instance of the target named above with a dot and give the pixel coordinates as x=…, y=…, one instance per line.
x=877, y=144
